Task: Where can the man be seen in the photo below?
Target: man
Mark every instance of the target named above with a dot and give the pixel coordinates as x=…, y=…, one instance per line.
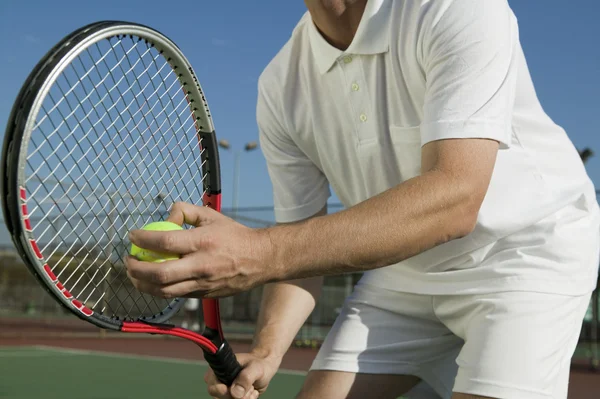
x=469, y=210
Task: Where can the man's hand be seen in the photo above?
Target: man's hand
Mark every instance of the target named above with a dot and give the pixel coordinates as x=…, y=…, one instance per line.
x=257, y=372
x=219, y=257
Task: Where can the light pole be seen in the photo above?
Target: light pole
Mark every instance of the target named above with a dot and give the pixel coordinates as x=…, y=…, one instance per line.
x=249, y=146
x=242, y=300
x=585, y=155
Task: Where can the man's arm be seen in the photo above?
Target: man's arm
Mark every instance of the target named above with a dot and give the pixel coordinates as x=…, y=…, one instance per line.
x=222, y=257
x=440, y=205
x=469, y=55
x=285, y=307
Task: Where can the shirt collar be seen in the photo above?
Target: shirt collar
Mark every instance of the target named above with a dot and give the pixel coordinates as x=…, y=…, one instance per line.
x=372, y=36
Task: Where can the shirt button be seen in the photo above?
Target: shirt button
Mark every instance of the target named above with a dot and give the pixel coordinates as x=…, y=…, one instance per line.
x=363, y=117
x=347, y=59
x=355, y=87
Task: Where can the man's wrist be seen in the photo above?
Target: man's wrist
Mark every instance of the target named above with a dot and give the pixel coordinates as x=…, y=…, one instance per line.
x=268, y=254
x=286, y=258
x=266, y=352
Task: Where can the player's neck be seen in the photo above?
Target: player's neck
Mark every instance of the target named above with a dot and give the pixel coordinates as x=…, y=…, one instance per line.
x=337, y=20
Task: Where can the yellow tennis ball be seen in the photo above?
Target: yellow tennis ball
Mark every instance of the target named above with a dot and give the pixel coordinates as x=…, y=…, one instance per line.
x=152, y=256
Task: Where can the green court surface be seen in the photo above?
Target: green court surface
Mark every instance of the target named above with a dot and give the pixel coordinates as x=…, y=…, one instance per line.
x=45, y=372
x=28, y=372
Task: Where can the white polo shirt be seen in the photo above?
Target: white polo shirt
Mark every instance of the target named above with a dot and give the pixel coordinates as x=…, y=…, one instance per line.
x=419, y=71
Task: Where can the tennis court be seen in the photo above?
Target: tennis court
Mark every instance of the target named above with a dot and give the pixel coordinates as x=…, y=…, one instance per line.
x=52, y=372
x=116, y=367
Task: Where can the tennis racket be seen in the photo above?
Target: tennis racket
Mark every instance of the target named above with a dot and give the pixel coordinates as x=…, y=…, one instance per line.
x=108, y=131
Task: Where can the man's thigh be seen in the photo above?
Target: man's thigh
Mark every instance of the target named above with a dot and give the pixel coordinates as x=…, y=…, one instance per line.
x=344, y=385
x=387, y=341
x=517, y=344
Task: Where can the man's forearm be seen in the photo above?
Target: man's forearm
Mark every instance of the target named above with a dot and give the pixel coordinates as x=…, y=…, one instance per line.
x=285, y=307
x=399, y=223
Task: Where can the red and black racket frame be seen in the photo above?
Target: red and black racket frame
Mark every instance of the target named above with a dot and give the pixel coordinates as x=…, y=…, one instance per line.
x=217, y=351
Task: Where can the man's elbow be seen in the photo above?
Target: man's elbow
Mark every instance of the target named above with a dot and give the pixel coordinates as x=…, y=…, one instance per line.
x=466, y=225
x=465, y=219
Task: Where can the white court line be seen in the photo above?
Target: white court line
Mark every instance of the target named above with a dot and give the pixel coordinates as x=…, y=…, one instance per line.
x=83, y=352
x=13, y=353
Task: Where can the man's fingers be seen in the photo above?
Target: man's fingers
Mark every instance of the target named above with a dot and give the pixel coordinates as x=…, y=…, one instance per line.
x=209, y=377
x=178, y=242
x=176, y=290
x=183, y=212
x=244, y=383
x=250, y=373
x=162, y=273
x=219, y=391
x=252, y=394
x=190, y=276
x=215, y=388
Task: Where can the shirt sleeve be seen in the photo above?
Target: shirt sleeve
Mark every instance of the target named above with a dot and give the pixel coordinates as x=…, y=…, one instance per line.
x=300, y=189
x=469, y=56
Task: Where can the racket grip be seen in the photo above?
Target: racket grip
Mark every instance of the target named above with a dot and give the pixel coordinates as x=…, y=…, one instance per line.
x=224, y=363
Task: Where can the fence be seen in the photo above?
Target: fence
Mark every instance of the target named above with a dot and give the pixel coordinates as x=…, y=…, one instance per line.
x=26, y=308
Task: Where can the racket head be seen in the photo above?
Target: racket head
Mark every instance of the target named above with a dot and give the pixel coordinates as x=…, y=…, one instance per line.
x=93, y=148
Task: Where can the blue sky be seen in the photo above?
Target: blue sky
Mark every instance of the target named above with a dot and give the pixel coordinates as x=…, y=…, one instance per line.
x=230, y=42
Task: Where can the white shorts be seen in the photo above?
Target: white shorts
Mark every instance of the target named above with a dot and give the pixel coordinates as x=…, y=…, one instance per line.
x=192, y=304
x=503, y=345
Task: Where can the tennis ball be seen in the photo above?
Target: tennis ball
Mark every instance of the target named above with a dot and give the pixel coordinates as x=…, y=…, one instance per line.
x=152, y=256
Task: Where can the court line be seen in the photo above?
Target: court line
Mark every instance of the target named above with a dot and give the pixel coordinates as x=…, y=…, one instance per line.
x=13, y=353
x=86, y=352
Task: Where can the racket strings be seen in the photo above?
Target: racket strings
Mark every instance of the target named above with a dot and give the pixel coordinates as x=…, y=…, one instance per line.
x=114, y=145
x=91, y=278
x=180, y=112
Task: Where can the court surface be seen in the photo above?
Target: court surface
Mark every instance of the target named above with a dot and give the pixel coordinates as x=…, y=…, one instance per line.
x=62, y=373
x=71, y=367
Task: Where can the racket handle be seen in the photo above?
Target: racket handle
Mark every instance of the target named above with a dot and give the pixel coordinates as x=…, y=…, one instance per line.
x=224, y=364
